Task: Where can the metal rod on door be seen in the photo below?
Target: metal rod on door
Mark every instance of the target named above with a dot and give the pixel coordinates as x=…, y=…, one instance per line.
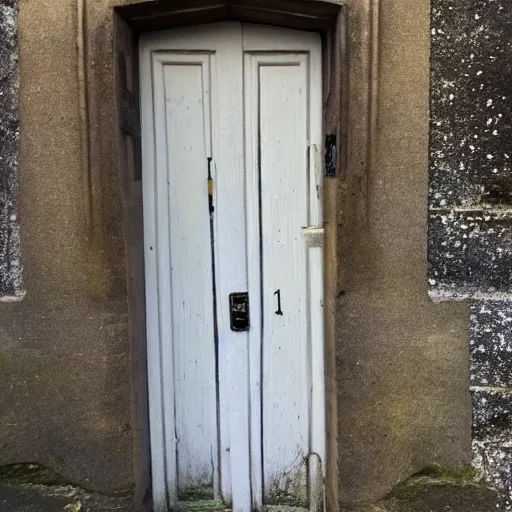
x=215, y=323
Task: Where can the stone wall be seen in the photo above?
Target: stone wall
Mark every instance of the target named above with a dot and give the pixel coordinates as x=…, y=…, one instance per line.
x=471, y=206
x=10, y=261
x=65, y=391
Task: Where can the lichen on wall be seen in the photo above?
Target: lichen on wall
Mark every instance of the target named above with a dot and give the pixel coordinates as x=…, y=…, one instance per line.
x=471, y=128
x=471, y=150
x=10, y=258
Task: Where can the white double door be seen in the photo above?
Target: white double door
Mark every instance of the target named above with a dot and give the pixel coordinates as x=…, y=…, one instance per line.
x=236, y=415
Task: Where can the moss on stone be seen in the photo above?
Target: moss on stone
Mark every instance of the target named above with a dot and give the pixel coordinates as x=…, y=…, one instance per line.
x=196, y=493
x=459, y=474
x=30, y=474
x=424, y=494
x=199, y=506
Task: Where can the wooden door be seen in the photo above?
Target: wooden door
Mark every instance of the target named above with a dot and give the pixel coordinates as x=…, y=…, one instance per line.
x=232, y=111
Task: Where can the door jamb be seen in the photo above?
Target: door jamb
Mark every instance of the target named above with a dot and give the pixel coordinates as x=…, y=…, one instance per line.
x=349, y=97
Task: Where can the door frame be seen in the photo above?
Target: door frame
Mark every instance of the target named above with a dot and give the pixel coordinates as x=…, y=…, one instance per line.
x=349, y=95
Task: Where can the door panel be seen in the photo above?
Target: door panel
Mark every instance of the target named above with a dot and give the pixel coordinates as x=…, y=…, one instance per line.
x=284, y=203
x=182, y=115
x=187, y=109
x=283, y=198
x=218, y=48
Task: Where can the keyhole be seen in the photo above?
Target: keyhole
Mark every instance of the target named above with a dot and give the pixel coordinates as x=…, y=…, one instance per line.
x=279, y=311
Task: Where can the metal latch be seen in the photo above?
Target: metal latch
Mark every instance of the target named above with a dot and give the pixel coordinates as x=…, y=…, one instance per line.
x=239, y=311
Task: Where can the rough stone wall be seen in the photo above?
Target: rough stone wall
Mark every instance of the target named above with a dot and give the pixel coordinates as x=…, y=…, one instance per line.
x=65, y=392
x=10, y=261
x=471, y=206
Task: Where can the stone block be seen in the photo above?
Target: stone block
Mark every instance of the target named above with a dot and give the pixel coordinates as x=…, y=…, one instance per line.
x=491, y=343
x=471, y=103
x=470, y=254
x=492, y=414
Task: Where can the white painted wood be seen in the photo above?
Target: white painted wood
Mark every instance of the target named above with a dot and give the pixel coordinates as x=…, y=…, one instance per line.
x=192, y=86
x=284, y=210
x=251, y=101
x=267, y=38
x=316, y=331
x=186, y=83
x=296, y=201
x=222, y=43
x=316, y=286
x=162, y=488
x=231, y=258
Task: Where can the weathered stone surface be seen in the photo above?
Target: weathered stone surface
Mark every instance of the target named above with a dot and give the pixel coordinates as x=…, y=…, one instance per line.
x=435, y=495
x=492, y=434
x=470, y=188
x=470, y=254
x=492, y=461
x=402, y=361
x=65, y=389
x=492, y=412
x=491, y=374
x=471, y=103
x=10, y=261
x=491, y=343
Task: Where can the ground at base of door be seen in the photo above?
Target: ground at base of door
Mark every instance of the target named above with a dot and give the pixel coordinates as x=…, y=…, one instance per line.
x=59, y=498
x=200, y=506
x=213, y=506
x=417, y=495
x=438, y=495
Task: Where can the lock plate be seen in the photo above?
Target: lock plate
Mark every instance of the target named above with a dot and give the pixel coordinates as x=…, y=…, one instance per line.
x=239, y=311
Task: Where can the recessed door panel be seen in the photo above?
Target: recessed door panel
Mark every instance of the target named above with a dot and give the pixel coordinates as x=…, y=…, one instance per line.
x=284, y=202
x=187, y=128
